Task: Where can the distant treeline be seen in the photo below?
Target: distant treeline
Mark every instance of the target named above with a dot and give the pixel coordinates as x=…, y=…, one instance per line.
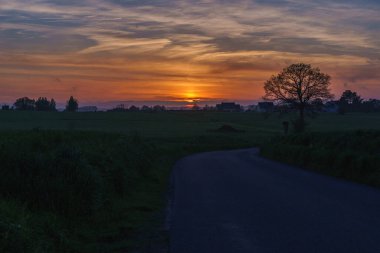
x=41, y=104
x=133, y=108
x=349, y=101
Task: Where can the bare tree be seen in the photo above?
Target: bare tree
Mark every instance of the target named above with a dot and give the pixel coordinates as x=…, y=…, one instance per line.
x=300, y=86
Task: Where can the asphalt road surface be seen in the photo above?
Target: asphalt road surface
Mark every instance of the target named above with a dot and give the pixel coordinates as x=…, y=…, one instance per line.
x=235, y=201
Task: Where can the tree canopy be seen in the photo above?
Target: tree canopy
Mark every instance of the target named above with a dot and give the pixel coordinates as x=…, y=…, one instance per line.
x=300, y=86
x=24, y=104
x=72, y=105
x=351, y=98
x=43, y=104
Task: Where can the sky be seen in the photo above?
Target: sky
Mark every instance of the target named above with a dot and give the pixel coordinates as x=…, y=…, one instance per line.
x=180, y=51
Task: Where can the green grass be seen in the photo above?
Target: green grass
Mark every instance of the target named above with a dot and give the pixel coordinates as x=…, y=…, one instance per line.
x=179, y=124
x=163, y=125
x=82, y=180
x=91, y=182
x=352, y=155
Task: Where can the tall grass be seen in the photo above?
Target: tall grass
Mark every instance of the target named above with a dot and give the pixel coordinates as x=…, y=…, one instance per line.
x=350, y=155
x=68, y=175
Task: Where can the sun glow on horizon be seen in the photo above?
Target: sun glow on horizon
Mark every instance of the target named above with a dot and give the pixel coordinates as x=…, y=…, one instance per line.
x=191, y=96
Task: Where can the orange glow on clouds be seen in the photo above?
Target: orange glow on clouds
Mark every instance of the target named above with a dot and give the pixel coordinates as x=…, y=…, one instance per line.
x=183, y=51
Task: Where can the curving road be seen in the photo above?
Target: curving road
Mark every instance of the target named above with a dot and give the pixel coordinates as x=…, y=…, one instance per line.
x=235, y=201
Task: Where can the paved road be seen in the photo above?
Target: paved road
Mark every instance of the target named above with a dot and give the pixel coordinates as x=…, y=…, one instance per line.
x=235, y=201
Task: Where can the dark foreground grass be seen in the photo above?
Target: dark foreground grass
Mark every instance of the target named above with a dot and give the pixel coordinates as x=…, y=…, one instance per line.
x=75, y=191
x=65, y=185
x=351, y=155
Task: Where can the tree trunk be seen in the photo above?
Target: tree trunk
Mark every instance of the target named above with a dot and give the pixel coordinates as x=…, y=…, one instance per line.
x=302, y=118
x=302, y=113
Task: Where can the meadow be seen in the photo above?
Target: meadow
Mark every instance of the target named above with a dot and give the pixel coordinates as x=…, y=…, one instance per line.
x=180, y=124
x=96, y=182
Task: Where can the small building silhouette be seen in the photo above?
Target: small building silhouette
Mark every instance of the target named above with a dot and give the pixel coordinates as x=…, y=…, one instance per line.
x=265, y=107
x=88, y=109
x=229, y=107
x=331, y=106
x=251, y=108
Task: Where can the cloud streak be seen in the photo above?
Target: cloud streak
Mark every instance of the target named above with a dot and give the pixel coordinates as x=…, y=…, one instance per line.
x=115, y=49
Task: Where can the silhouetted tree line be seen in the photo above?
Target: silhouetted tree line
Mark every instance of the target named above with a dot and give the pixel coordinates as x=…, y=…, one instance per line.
x=133, y=108
x=351, y=102
x=41, y=104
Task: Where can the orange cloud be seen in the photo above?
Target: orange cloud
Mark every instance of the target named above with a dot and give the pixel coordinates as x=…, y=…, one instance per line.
x=106, y=50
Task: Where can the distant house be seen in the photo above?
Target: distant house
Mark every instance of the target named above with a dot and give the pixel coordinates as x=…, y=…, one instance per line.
x=331, y=106
x=88, y=109
x=146, y=108
x=209, y=108
x=252, y=108
x=265, y=107
x=229, y=107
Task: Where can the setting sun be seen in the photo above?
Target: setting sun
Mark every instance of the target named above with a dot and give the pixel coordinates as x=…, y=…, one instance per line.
x=191, y=96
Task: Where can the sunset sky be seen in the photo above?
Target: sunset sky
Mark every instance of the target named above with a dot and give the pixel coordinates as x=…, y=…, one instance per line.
x=180, y=50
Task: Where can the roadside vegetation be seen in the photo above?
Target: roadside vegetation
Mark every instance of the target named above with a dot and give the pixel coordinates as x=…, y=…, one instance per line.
x=352, y=155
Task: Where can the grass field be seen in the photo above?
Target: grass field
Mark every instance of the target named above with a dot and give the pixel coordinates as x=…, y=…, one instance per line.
x=179, y=124
x=124, y=160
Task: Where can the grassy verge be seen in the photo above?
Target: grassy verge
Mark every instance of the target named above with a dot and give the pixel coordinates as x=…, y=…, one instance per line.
x=349, y=155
